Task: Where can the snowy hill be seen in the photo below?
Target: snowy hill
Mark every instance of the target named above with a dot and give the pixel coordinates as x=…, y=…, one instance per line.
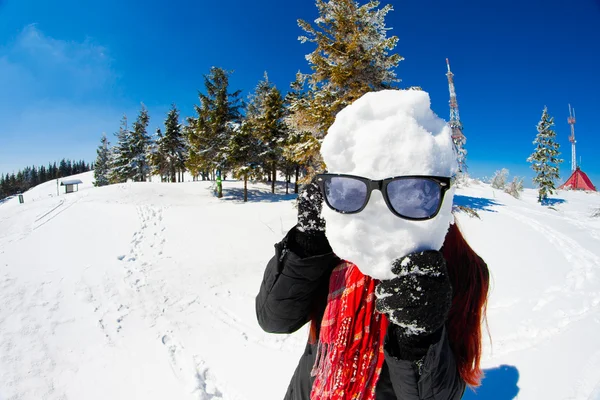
x=146, y=291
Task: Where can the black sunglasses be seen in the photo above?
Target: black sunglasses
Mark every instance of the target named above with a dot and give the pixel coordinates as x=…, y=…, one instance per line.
x=413, y=197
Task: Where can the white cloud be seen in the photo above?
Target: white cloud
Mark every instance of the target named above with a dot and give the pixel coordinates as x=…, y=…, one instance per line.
x=56, y=99
x=38, y=65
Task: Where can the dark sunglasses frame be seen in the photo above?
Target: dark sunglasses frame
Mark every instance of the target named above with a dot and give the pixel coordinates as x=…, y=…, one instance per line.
x=443, y=182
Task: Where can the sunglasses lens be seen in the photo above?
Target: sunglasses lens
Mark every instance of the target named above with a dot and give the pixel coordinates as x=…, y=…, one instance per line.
x=415, y=197
x=345, y=194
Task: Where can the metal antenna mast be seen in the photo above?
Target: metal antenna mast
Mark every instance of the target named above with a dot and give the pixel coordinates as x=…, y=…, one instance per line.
x=572, y=138
x=458, y=137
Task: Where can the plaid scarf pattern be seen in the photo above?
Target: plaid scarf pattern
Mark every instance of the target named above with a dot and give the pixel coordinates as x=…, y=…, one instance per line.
x=350, y=349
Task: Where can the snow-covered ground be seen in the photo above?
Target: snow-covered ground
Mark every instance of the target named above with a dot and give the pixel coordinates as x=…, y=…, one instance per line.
x=146, y=291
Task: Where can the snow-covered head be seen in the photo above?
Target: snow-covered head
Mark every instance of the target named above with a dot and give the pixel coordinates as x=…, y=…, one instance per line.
x=381, y=135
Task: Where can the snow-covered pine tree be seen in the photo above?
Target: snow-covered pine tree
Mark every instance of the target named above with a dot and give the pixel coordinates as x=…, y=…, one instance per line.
x=352, y=57
x=156, y=157
x=515, y=187
x=288, y=166
x=209, y=133
x=120, y=161
x=194, y=134
x=544, y=160
x=175, y=148
x=265, y=114
x=102, y=165
x=244, y=148
x=499, y=179
x=140, y=143
x=300, y=144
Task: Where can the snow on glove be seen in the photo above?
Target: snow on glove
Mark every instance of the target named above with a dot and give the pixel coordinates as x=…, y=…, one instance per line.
x=310, y=205
x=418, y=300
x=309, y=239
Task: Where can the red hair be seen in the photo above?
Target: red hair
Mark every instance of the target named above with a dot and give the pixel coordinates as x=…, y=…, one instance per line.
x=469, y=276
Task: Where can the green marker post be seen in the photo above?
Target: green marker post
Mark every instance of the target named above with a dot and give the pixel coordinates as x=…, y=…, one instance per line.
x=219, y=185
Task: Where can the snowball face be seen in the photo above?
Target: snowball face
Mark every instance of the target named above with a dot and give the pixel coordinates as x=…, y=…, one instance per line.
x=381, y=135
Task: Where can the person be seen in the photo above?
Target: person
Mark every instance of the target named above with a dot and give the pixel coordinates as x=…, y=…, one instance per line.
x=436, y=363
x=416, y=334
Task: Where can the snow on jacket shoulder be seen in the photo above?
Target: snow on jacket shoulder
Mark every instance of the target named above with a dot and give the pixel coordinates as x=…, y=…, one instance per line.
x=294, y=291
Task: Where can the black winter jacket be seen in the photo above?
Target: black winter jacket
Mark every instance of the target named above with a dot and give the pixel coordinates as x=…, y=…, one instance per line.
x=295, y=289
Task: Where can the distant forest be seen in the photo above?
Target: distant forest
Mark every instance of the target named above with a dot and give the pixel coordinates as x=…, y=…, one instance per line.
x=11, y=184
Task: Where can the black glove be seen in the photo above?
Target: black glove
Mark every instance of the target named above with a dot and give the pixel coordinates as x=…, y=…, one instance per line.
x=417, y=301
x=310, y=205
x=309, y=237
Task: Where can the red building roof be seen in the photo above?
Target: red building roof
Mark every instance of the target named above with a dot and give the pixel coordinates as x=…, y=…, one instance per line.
x=578, y=181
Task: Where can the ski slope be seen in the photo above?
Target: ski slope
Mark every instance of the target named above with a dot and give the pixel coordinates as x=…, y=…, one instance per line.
x=146, y=291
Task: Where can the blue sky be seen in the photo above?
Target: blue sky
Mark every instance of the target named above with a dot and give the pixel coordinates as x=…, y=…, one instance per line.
x=70, y=69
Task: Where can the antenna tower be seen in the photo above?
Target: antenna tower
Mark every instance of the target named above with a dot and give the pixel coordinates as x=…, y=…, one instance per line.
x=572, y=138
x=458, y=137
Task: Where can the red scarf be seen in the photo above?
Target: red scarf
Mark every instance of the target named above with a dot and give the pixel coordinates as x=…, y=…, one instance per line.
x=350, y=350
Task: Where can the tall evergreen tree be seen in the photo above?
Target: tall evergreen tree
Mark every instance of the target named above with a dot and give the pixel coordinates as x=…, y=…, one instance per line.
x=158, y=158
x=243, y=154
x=3, y=187
x=35, y=177
x=14, y=184
x=43, y=174
x=290, y=166
x=101, y=171
x=210, y=132
x=300, y=144
x=121, y=167
x=63, y=168
x=196, y=162
x=174, y=145
x=352, y=57
x=544, y=160
x=140, y=143
x=265, y=114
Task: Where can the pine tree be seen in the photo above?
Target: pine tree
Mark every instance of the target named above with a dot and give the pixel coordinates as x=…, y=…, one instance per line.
x=63, y=168
x=196, y=133
x=544, y=160
x=158, y=158
x=515, y=187
x=210, y=132
x=35, y=176
x=140, y=143
x=194, y=159
x=120, y=159
x=289, y=164
x=3, y=188
x=101, y=171
x=300, y=144
x=43, y=174
x=243, y=155
x=265, y=114
x=352, y=57
x=129, y=155
x=14, y=184
x=499, y=179
x=174, y=146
